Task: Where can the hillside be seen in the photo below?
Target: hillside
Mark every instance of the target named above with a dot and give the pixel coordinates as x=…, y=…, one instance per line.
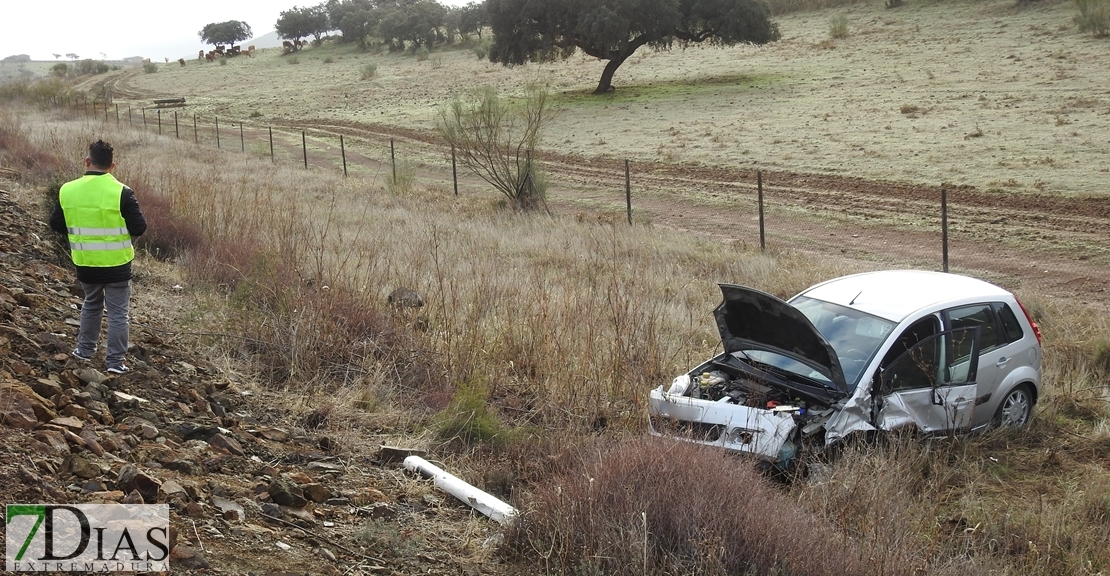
x=273, y=364
x=255, y=487
x=987, y=94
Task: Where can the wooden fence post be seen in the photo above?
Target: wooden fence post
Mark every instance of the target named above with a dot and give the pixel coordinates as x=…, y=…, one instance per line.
x=393, y=160
x=129, y=122
x=242, y=143
x=176, y=130
x=159, y=122
x=304, y=148
x=196, y=138
x=117, y=114
x=217, y=132
x=144, y=118
x=271, y=130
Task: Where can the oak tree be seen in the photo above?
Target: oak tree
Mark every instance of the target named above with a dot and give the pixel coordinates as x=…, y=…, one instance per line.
x=228, y=32
x=529, y=30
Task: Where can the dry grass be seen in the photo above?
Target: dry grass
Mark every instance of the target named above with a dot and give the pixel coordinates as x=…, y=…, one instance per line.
x=566, y=322
x=649, y=506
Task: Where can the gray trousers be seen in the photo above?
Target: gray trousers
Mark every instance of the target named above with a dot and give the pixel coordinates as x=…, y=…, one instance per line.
x=116, y=297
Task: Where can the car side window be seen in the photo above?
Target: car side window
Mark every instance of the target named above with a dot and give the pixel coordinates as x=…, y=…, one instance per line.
x=1011, y=328
x=909, y=374
x=981, y=315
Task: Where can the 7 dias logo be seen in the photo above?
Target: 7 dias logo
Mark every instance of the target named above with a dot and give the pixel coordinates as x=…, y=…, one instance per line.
x=88, y=537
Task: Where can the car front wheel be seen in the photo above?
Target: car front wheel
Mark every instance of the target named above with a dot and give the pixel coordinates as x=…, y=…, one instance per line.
x=1016, y=408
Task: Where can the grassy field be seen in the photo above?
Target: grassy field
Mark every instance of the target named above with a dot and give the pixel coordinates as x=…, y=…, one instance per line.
x=541, y=335
x=986, y=93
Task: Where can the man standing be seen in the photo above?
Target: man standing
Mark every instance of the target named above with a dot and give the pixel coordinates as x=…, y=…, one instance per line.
x=101, y=216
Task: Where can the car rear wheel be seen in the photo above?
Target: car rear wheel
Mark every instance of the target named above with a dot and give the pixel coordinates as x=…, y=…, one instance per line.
x=1016, y=408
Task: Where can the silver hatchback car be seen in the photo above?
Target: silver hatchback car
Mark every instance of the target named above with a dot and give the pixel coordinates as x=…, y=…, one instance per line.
x=873, y=351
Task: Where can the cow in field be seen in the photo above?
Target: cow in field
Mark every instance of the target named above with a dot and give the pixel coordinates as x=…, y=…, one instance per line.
x=181, y=61
x=200, y=55
x=287, y=47
x=210, y=56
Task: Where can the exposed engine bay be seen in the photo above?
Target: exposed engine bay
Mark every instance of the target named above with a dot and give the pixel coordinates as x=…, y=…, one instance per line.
x=745, y=390
x=730, y=403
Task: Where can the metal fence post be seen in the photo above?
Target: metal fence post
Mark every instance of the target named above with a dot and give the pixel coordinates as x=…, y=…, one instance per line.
x=343, y=153
x=454, y=171
x=176, y=130
x=217, y=132
x=242, y=143
x=944, y=227
x=628, y=191
x=393, y=160
x=271, y=130
x=762, y=230
x=159, y=122
x=196, y=138
x=304, y=147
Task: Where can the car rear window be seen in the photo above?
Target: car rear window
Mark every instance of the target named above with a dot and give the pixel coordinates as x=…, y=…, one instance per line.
x=1011, y=328
x=981, y=315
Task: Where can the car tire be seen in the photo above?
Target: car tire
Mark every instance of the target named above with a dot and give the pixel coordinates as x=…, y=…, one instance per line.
x=1016, y=408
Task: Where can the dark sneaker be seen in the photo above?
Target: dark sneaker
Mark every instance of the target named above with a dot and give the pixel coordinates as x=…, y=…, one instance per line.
x=121, y=369
x=78, y=355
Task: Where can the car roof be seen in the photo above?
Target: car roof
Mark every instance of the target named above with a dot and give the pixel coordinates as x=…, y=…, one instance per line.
x=895, y=294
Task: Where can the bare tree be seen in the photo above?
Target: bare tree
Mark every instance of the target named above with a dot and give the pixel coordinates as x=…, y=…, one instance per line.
x=495, y=137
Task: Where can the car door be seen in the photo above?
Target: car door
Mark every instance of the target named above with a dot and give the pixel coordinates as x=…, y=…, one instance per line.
x=932, y=385
x=993, y=355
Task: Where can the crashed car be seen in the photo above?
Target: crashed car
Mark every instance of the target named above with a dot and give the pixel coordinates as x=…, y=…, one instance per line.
x=873, y=351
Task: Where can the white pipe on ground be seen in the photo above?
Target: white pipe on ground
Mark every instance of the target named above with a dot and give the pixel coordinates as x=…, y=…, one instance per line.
x=483, y=502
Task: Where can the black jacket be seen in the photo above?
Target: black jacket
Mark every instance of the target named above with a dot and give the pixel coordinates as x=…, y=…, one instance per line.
x=136, y=225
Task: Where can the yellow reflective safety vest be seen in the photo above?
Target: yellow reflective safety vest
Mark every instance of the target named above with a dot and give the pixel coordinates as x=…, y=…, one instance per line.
x=97, y=232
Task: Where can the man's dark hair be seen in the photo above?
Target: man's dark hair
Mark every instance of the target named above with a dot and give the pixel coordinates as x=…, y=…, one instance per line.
x=100, y=154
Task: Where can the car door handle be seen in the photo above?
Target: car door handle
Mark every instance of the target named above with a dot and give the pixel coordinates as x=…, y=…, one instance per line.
x=1002, y=361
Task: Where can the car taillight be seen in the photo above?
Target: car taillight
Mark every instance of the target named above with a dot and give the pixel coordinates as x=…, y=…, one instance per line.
x=1036, y=329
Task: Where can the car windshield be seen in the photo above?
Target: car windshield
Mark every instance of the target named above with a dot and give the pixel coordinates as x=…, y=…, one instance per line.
x=854, y=335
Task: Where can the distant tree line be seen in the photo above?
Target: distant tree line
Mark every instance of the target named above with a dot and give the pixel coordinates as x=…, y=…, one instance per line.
x=82, y=68
x=397, y=24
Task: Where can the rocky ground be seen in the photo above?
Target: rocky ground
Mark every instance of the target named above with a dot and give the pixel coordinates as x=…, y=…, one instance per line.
x=251, y=489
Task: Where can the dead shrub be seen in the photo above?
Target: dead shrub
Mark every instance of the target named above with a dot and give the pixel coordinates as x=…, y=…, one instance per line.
x=651, y=506
x=32, y=163
x=167, y=237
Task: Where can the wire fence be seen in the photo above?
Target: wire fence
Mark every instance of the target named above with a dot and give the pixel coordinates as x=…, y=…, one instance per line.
x=1059, y=245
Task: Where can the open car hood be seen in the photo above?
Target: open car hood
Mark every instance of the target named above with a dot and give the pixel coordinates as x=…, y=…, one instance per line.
x=752, y=320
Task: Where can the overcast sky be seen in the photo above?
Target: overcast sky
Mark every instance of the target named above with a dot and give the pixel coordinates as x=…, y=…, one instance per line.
x=116, y=29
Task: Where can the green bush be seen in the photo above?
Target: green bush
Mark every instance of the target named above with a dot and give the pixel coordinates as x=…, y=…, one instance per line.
x=421, y=54
x=369, y=70
x=294, y=60
x=838, y=26
x=481, y=51
x=467, y=418
x=1094, y=17
x=60, y=69
x=150, y=67
x=222, y=61
x=329, y=60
